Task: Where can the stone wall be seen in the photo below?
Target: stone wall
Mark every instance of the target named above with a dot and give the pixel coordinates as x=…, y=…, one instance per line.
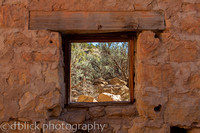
x=167, y=89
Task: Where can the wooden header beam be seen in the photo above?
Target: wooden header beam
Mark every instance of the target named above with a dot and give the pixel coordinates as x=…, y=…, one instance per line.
x=94, y=22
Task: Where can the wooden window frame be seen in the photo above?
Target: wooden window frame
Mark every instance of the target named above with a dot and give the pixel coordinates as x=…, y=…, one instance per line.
x=108, y=37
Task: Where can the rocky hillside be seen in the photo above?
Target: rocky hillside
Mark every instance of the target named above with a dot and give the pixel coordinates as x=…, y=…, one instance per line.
x=101, y=91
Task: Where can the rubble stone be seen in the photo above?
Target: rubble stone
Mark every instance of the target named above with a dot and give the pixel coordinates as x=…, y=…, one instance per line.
x=194, y=81
x=74, y=117
x=183, y=52
x=97, y=111
x=106, y=97
x=27, y=101
x=83, y=98
x=117, y=81
x=194, y=130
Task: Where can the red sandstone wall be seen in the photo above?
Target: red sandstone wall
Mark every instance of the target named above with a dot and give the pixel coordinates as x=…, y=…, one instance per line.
x=167, y=68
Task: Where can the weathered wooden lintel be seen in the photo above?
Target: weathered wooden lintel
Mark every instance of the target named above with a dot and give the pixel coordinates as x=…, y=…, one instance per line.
x=94, y=22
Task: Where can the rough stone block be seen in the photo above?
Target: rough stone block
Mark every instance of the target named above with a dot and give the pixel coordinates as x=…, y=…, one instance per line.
x=2, y=111
x=44, y=57
x=108, y=97
x=161, y=76
x=194, y=81
x=97, y=111
x=191, y=7
x=52, y=76
x=74, y=117
x=142, y=4
x=140, y=125
x=20, y=76
x=83, y=98
x=147, y=45
x=113, y=111
x=190, y=24
x=194, y=130
x=83, y=5
x=183, y=51
x=27, y=101
x=151, y=102
x=49, y=105
x=57, y=126
x=179, y=112
x=13, y=16
x=129, y=111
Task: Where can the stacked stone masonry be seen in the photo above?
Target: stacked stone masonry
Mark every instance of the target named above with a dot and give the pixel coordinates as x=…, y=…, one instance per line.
x=167, y=69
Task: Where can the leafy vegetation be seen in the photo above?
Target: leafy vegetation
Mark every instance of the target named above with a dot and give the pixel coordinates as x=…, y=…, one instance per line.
x=90, y=61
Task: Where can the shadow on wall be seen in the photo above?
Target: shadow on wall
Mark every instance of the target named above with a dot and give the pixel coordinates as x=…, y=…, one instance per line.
x=178, y=130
